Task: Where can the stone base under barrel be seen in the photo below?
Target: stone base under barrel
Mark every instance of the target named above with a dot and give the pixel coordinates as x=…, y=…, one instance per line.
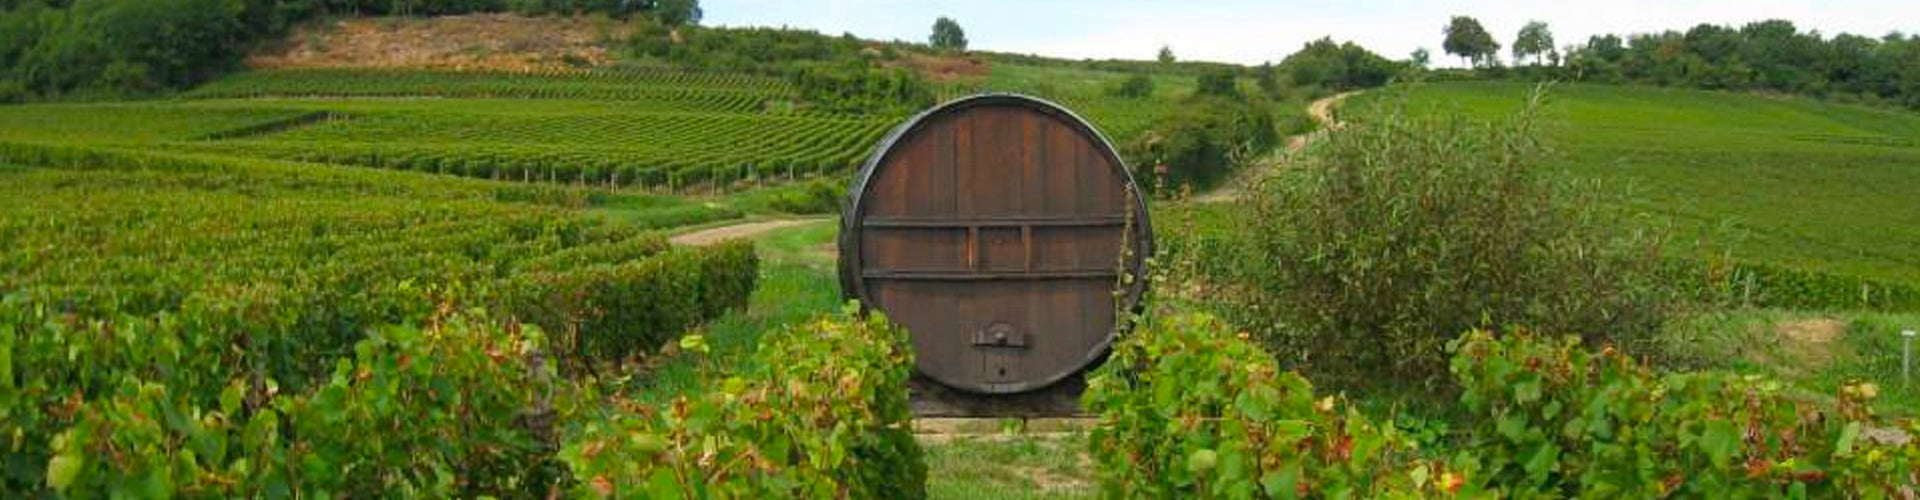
x=934, y=400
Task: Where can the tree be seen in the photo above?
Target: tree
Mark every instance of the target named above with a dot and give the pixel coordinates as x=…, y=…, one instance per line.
x=1263, y=76
x=1204, y=140
x=1339, y=66
x=1535, y=41
x=947, y=35
x=1166, y=55
x=675, y=13
x=1420, y=58
x=1467, y=39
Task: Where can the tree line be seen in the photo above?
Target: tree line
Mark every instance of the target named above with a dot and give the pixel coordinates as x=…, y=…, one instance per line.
x=56, y=48
x=1771, y=55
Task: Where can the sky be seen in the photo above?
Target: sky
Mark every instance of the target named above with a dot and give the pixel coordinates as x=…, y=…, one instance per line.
x=1251, y=32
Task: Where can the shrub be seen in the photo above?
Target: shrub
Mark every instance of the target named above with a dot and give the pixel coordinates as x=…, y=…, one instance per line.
x=817, y=196
x=1137, y=85
x=1188, y=410
x=754, y=49
x=823, y=414
x=12, y=91
x=1204, y=141
x=1760, y=284
x=611, y=312
x=454, y=409
x=854, y=86
x=1337, y=66
x=616, y=251
x=1218, y=83
x=1400, y=228
x=1553, y=420
x=436, y=411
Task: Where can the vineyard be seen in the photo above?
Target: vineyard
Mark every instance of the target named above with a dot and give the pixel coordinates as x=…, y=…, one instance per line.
x=659, y=89
x=613, y=148
x=1793, y=182
x=435, y=283
x=652, y=128
x=261, y=275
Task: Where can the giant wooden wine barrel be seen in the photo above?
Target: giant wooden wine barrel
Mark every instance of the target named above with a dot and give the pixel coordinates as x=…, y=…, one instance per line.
x=996, y=229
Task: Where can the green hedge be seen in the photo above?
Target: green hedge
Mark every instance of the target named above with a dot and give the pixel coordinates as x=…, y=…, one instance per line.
x=607, y=252
x=164, y=406
x=1771, y=285
x=1189, y=410
x=227, y=171
x=615, y=311
x=823, y=414
x=204, y=327
x=1556, y=420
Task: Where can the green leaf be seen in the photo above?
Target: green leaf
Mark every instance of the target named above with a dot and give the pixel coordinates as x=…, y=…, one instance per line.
x=1542, y=460
x=1526, y=392
x=1844, y=446
x=1720, y=441
x=648, y=444
x=62, y=470
x=231, y=398
x=6, y=356
x=1288, y=431
x=1513, y=427
x=662, y=485
x=1282, y=483
x=695, y=343
x=1202, y=460
x=158, y=484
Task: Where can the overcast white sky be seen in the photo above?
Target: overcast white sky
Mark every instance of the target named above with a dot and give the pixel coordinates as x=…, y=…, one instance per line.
x=1249, y=32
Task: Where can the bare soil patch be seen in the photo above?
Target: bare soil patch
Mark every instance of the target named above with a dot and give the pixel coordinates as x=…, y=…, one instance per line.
x=505, y=42
x=944, y=68
x=1810, y=341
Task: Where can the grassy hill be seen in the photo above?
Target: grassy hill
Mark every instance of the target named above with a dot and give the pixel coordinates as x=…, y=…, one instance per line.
x=1810, y=184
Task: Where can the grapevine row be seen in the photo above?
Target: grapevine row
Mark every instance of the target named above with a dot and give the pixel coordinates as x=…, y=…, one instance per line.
x=683, y=91
x=140, y=285
x=651, y=149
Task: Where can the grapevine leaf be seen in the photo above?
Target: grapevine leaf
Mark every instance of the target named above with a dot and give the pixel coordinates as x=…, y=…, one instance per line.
x=1844, y=447
x=1282, y=483
x=1202, y=460
x=1526, y=392
x=62, y=470
x=1720, y=441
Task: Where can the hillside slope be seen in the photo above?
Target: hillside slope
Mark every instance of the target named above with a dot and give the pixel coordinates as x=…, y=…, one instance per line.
x=478, y=41
x=1810, y=184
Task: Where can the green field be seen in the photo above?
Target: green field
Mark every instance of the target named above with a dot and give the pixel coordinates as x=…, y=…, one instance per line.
x=1793, y=181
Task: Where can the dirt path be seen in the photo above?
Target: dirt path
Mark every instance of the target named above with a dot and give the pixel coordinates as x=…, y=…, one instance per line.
x=713, y=235
x=1321, y=110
